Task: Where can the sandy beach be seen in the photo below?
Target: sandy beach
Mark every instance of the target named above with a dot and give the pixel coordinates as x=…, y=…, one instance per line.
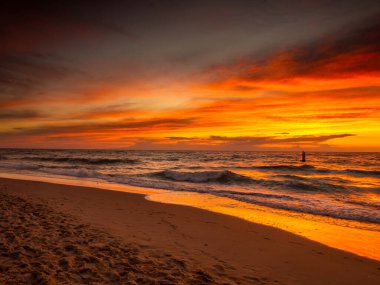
x=59, y=234
x=190, y=142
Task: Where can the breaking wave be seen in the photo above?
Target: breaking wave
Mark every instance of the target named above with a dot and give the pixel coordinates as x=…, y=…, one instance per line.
x=334, y=185
x=223, y=176
x=228, y=177
x=285, y=167
x=309, y=168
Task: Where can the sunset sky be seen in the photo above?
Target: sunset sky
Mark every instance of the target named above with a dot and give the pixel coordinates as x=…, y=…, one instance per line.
x=202, y=75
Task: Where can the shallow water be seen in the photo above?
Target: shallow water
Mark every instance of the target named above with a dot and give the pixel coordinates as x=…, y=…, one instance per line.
x=345, y=186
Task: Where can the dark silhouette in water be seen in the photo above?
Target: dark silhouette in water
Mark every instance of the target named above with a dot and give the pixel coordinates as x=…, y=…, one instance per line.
x=303, y=157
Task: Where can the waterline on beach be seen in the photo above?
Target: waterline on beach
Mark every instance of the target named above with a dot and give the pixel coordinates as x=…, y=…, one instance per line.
x=352, y=236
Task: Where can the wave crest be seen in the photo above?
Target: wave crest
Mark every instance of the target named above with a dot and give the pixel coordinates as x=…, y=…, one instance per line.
x=224, y=176
x=83, y=160
x=285, y=167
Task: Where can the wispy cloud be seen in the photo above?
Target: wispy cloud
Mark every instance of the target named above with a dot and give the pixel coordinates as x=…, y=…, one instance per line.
x=263, y=140
x=173, y=75
x=349, y=59
x=115, y=128
x=19, y=114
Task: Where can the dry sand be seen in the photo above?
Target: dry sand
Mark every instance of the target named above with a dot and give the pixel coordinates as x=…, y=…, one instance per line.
x=59, y=234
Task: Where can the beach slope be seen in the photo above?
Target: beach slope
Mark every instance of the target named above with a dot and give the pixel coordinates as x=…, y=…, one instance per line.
x=59, y=234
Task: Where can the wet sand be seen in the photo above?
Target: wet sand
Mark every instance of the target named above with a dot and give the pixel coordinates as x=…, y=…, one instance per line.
x=59, y=234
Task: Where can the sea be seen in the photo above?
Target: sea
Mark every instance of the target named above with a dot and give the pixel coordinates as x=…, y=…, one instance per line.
x=342, y=185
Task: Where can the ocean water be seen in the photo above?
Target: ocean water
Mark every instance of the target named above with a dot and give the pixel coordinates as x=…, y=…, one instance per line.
x=345, y=186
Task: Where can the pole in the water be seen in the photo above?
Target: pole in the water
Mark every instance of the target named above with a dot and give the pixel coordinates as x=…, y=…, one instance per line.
x=303, y=157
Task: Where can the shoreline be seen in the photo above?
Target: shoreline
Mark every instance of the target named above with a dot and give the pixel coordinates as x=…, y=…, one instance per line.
x=244, y=250
x=352, y=236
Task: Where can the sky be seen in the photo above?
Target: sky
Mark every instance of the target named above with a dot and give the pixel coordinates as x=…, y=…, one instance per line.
x=199, y=75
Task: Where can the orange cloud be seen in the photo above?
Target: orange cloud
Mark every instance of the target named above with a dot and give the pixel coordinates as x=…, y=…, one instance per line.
x=336, y=62
x=314, y=95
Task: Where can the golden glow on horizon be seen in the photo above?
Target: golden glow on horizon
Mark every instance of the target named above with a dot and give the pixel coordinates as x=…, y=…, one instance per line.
x=284, y=103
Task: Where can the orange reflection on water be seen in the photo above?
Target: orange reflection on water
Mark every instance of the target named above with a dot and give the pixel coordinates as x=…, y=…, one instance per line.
x=356, y=237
